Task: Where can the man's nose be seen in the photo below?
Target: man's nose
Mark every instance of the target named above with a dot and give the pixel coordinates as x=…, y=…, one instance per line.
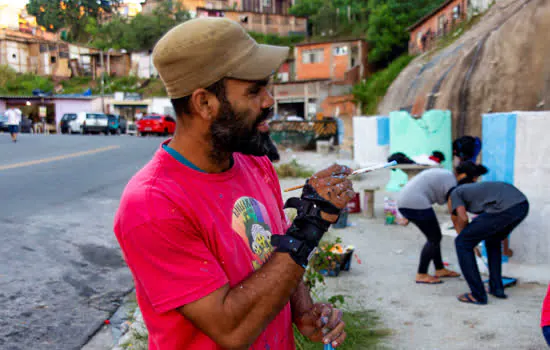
x=267, y=99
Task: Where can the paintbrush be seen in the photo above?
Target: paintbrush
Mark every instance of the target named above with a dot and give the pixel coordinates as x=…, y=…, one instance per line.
x=356, y=172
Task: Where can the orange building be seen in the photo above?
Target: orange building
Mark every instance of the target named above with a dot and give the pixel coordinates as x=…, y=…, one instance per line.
x=325, y=73
x=331, y=59
x=439, y=22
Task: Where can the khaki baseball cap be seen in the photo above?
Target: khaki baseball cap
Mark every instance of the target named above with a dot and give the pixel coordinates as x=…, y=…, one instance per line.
x=202, y=51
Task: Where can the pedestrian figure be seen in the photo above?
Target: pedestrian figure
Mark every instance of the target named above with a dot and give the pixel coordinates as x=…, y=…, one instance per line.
x=545, y=317
x=202, y=227
x=501, y=208
x=466, y=148
x=14, y=119
x=415, y=204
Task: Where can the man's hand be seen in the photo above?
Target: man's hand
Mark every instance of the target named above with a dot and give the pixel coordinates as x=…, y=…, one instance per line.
x=332, y=185
x=322, y=324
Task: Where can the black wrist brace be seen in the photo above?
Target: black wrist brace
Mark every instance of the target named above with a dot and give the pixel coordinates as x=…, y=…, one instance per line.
x=305, y=233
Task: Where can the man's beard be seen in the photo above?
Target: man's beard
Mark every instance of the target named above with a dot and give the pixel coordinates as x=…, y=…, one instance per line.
x=231, y=133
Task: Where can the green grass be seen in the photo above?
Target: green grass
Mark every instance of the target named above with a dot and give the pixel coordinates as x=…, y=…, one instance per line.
x=293, y=169
x=78, y=85
x=370, y=92
x=22, y=84
x=272, y=39
x=361, y=329
x=16, y=84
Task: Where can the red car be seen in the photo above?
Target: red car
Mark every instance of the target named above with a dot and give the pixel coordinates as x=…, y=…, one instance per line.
x=156, y=124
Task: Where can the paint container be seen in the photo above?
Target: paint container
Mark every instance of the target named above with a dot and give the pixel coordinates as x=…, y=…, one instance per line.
x=354, y=205
x=345, y=261
x=342, y=220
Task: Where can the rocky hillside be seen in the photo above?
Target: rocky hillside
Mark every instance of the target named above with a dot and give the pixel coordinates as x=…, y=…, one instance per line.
x=501, y=64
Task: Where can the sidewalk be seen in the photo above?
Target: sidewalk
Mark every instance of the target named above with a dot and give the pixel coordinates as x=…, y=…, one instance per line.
x=420, y=316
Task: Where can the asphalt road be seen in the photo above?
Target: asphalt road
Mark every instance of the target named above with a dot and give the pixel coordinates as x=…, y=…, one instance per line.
x=61, y=271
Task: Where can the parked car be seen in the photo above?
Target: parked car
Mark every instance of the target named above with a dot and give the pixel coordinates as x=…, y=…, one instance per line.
x=64, y=124
x=90, y=123
x=131, y=128
x=3, y=123
x=156, y=124
x=117, y=124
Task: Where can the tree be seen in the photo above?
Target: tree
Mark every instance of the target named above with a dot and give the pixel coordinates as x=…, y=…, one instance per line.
x=140, y=33
x=387, y=26
x=72, y=14
x=306, y=7
x=146, y=30
x=333, y=18
x=113, y=34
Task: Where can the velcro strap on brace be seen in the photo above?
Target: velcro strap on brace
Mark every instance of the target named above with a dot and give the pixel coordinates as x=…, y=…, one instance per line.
x=310, y=194
x=298, y=250
x=305, y=233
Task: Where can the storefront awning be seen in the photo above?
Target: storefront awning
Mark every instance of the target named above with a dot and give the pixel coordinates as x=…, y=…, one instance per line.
x=129, y=103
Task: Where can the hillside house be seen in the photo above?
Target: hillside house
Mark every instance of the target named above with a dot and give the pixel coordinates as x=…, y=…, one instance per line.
x=261, y=22
x=426, y=31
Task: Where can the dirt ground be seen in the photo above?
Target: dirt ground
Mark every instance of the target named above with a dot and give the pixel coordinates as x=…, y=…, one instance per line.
x=422, y=316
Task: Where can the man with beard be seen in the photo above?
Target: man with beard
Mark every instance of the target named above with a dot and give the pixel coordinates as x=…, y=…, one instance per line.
x=215, y=263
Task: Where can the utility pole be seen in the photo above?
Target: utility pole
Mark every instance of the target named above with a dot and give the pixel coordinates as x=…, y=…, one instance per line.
x=102, y=82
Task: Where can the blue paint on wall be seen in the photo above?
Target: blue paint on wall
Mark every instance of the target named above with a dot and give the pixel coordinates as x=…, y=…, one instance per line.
x=499, y=146
x=383, y=125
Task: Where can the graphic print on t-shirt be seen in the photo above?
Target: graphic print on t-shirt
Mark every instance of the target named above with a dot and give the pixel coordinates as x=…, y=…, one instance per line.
x=251, y=222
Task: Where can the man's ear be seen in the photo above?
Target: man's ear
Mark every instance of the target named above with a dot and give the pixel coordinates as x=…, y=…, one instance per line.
x=204, y=104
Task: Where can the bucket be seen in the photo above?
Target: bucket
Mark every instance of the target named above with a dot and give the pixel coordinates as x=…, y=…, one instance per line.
x=354, y=205
x=345, y=262
x=342, y=220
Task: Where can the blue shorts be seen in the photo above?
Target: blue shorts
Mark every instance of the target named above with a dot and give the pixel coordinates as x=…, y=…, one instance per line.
x=13, y=129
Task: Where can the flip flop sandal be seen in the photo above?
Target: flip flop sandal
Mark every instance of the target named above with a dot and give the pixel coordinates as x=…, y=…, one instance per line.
x=455, y=275
x=426, y=282
x=467, y=298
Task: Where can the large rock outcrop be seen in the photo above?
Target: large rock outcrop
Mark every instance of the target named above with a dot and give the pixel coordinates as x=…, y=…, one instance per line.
x=501, y=64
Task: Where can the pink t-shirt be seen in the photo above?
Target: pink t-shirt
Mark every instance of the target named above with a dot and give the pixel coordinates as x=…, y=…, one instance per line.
x=545, y=315
x=185, y=234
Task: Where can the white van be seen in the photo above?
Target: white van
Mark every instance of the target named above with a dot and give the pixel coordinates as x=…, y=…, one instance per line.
x=86, y=122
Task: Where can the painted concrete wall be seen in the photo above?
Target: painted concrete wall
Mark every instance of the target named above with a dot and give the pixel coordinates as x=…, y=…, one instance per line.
x=531, y=242
x=370, y=140
x=161, y=105
x=371, y=146
x=63, y=106
x=417, y=136
x=142, y=65
x=17, y=55
x=525, y=135
x=499, y=146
